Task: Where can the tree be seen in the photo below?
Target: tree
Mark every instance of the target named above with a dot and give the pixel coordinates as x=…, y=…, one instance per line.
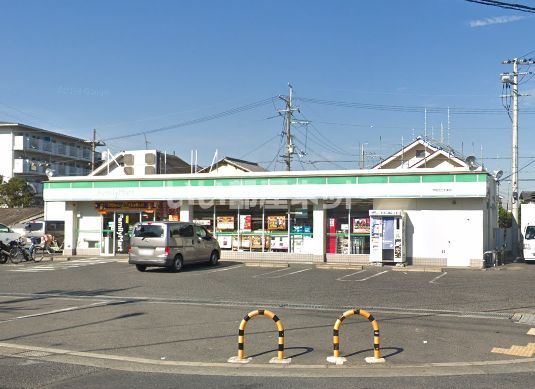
x=505, y=218
x=15, y=193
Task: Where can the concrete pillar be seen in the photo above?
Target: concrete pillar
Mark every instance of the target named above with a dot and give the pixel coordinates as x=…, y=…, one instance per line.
x=71, y=229
x=319, y=215
x=186, y=211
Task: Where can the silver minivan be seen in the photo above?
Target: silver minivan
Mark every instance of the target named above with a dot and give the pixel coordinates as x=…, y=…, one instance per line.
x=171, y=245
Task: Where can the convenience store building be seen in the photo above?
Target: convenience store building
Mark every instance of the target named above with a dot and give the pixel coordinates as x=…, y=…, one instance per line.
x=449, y=215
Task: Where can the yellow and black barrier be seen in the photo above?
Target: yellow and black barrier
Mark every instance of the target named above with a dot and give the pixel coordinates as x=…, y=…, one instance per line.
x=336, y=358
x=241, y=337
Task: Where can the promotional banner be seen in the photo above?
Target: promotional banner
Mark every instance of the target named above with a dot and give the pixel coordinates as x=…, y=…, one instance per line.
x=246, y=223
x=276, y=223
x=361, y=226
x=225, y=223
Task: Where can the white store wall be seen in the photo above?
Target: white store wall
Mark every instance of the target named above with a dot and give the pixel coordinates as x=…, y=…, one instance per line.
x=448, y=232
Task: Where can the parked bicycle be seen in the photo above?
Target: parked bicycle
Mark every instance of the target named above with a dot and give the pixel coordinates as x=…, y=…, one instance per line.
x=15, y=252
x=47, y=250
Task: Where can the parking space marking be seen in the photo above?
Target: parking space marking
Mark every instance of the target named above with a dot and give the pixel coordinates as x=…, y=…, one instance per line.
x=362, y=279
x=531, y=331
x=349, y=275
x=434, y=280
x=270, y=272
x=57, y=311
x=289, y=274
x=216, y=270
x=59, y=265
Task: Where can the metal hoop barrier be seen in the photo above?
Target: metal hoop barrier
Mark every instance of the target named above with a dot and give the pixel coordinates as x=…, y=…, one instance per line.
x=241, y=338
x=336, y=358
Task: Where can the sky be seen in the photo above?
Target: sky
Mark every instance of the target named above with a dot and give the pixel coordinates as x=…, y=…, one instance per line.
x=206, y=75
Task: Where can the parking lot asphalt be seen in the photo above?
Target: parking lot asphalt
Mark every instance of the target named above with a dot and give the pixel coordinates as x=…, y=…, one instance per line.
x=102, y=311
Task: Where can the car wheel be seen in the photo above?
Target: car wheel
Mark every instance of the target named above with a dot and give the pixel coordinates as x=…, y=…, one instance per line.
x=177, y=263
x=214, y=258
x=141, y=268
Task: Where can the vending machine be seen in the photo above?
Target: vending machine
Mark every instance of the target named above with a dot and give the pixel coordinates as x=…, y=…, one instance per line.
x=387, y=236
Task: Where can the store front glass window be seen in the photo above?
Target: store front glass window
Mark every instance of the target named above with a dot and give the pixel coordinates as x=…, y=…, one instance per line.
x=276, y=224
x=225, y=224
x=203, y=214
x=301, y=227
x=348, y=227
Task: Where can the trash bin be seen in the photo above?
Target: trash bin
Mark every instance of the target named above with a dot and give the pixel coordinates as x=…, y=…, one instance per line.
x=490, y=258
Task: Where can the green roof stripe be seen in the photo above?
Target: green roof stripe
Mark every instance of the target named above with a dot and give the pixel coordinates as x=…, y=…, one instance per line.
x=228, y=182
x=151, y=184
x=283, y=181
x=177, y=183
x=312, y=180
x=341, y=180
x=465, y=178
x=255, y=181
x=116, y=184
x=317, y=180
x=59, y=185
x=82, y=184
x=404, y=179
x=373, y=180
x=201, y=182
x=438, y=178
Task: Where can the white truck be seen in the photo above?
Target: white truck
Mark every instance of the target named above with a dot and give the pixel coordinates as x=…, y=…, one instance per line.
x=527, y=229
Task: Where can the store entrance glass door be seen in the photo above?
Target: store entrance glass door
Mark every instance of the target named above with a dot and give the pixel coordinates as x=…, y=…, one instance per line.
x=117, y=228
x=106, y=241
x=124, y=225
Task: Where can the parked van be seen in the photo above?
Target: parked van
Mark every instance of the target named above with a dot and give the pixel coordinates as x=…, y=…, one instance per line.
x=38, y=228
x=171, y=245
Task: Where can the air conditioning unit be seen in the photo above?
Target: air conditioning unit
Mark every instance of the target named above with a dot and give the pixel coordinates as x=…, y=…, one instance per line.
x=151, y=163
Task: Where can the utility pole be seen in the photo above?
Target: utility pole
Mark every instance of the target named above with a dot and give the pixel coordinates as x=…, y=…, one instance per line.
x=512, y=80
x=288, y=112
x=94, y=144
x=362, y=155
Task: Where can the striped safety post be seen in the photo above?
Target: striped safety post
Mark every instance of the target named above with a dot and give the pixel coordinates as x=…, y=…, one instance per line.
x=241, y=338
x=336, y=358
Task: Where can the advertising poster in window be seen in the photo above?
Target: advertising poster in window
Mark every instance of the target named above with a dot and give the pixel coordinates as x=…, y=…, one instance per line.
x=246, y=223
x=276, y=223
x=361, y=226
x=225, y=223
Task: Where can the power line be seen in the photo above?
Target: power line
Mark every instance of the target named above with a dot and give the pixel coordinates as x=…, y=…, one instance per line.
x=202, y=119
x=260, y=146
x=401, y=108
x=504, y=5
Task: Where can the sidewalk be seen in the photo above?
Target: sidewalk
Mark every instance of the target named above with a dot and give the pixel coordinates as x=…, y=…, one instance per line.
x=64, y=258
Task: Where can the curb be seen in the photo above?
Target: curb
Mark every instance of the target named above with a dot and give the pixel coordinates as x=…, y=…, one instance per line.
x=267, y=264
x=147, y=365
x=341, y=266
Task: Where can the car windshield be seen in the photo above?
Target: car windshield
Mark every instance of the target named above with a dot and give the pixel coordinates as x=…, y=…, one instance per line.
x=148, y=231
x=530, y=232
x=33, y=226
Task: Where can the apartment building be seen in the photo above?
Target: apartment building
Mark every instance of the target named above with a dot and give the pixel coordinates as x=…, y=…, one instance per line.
x=31, y=153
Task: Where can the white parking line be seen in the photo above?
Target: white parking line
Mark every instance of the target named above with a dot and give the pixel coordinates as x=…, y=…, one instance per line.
x=433, y=281
x=362, y=279
x=270, y=272
x=349, y=275
x=56, y=311
x=216, y=270
x=289, y=274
